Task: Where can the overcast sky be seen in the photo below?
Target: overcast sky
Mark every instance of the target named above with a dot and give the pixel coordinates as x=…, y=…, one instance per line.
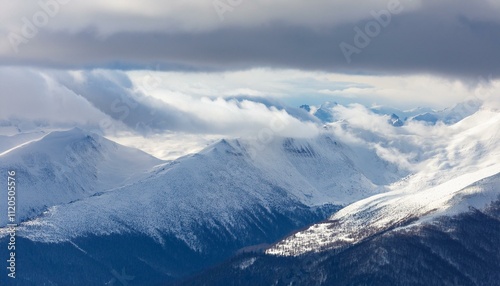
x=182, y=62
x=447, y=37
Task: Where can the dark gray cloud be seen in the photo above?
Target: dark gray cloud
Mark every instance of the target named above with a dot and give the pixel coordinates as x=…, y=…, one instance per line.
x=451, y=38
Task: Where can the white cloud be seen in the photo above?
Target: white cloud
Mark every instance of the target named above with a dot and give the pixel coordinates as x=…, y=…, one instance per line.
x=167, y=146
x=298, y=87
x=91, y=97
x=200, y=107
x=34, y=95
x=416, y=145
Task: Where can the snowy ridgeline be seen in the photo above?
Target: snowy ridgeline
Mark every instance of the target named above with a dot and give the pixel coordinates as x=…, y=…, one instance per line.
x=463, y=174
x=331, y=111
x=82, y=184
x=213, y=188
x=65, y=166
x=393, y=211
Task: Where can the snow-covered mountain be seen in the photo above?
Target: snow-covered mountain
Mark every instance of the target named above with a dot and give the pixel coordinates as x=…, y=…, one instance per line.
x=450, y=115
x=65, y=166
x=324, y=112
x=8, y=142
x=449, y=184
x=212, y=185
x=439, y=226
x=402, y=114
x=327, y=114
x=203, y=207
x=452, y=250
x=102, y=206
x=394, y=210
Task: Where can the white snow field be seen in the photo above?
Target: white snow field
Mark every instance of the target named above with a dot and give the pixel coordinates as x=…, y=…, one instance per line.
x=65, y=166
x=78, y=184
x=462, y=173
x=209, y=187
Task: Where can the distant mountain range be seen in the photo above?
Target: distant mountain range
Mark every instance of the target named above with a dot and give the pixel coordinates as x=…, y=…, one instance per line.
x=340, y=208
x=326, y=113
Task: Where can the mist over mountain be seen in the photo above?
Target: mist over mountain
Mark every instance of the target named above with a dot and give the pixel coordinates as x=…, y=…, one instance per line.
x=91, y=200
x=438, y=226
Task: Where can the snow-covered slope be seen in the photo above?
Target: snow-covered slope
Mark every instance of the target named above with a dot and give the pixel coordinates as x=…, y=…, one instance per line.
x=327, y=114
x=447, y=116
x=242, y=192
x=462, y=173
x=402, y=114
x=65, y=166
x=450, y=115
x=324, y=112
x=199, y=209
x=395, y=209
x=449, y=250
x=8, y=142
x=212, y=188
